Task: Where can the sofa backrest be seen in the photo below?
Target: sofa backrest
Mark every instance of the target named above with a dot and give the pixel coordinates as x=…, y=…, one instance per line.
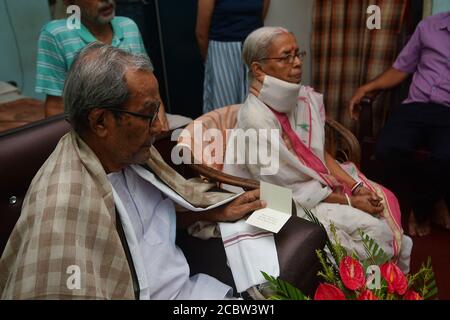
x=22, y=153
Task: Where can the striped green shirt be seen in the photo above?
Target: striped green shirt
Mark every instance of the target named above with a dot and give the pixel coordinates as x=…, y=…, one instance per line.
x=58, y=46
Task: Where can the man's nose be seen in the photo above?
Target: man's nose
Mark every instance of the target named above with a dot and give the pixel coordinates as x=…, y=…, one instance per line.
x=156, y=126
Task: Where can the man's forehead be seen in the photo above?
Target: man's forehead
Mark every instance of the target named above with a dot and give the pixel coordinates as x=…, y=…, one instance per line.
x=143, y=88
x=141, y=78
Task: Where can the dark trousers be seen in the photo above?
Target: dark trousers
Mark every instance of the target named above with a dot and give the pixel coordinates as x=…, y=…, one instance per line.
x=412, y=127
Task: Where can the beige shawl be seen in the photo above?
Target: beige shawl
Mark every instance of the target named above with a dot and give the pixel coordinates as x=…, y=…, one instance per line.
x=67, y=229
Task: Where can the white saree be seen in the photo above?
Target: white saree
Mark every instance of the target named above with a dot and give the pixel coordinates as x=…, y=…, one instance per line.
x=309, y=190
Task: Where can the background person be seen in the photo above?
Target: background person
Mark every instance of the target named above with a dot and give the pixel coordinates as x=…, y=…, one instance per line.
x=422, y=120
x=222, y=26
x=58, y=46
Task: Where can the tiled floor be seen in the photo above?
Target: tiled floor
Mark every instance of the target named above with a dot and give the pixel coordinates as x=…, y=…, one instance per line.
x=19, y=113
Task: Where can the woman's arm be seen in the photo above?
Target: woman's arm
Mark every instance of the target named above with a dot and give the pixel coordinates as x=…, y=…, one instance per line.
x=362, y=202
x=204, y=14
x=266, y=5
x=364, y=199
x=343, y=177
x=338, y=172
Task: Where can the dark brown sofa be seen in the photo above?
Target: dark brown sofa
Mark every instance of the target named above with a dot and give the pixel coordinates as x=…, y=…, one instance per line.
x=22, y=153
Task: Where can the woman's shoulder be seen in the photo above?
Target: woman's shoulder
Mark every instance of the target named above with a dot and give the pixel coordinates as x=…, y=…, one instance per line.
x=253, y=114
x=314, y=99
x=310, y=92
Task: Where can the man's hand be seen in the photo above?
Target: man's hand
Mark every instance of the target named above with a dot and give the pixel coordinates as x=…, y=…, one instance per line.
x=354, y=108
x=367, y=203
x=233, y=211
x=240, y=207
x=388, y=79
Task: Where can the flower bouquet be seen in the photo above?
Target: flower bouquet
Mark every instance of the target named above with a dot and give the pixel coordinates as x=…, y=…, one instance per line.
x=345, y=277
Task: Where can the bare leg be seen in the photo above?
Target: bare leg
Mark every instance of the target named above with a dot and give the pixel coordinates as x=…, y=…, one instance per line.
x=441, y=215
x=418, y=229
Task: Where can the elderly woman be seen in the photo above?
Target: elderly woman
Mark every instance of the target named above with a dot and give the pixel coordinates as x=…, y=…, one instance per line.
x=337, y=194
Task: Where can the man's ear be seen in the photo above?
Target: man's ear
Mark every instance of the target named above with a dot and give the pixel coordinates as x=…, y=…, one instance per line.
x=99, y=122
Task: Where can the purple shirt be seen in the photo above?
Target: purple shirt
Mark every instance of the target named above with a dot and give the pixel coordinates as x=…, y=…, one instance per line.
x=427, y=55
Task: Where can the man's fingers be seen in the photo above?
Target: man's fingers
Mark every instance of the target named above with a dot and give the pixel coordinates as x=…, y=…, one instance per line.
x=354, y=110
x=350, y=108
x=250, y=206
x=249, y=196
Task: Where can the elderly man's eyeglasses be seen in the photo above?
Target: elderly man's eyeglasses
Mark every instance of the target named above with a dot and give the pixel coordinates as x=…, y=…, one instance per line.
x=289, y=58
x=149, y=117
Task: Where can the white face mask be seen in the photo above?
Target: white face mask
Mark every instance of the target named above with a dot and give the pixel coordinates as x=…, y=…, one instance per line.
x=278, y=94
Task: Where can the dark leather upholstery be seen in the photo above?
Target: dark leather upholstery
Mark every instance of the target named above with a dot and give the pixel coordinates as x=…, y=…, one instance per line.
x=22, y=153
x=296, y=244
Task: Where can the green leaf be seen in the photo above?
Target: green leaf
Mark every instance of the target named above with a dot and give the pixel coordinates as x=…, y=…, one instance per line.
x=334, y=249
x=375, y=254
x=283, y=290
x=328, y=273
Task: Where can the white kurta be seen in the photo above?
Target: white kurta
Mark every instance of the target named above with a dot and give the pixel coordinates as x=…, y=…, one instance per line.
x=149, y=223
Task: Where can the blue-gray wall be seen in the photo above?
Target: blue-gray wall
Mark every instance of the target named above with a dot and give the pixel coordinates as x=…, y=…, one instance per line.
x=440, y=6
x=19, y=31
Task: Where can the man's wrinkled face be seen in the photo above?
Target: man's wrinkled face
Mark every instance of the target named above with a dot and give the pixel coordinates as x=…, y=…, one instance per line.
x=281, y=47
x=96, y=11
x=132, y=136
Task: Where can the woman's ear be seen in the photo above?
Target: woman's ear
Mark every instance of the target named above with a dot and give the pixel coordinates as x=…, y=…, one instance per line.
x=98, y=122
x=258, y=72
x=256, y=69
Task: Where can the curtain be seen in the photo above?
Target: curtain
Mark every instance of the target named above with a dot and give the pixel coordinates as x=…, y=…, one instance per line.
x=346, y=54
x=427, y=8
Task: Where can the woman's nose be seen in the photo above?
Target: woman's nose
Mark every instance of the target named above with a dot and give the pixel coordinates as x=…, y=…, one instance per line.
x=297, y=61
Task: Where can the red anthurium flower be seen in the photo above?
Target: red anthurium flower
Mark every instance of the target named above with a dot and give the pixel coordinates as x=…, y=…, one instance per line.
x=352, y=273
x=412, y=295
x=367, y=295
x=395, y=278
x=327, y=291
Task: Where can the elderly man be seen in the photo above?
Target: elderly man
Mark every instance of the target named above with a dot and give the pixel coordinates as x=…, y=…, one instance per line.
x=423, y=119
x=94, y=224
x=58, y=45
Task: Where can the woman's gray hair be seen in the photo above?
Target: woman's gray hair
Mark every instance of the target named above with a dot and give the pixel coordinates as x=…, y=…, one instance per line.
x=257, y=44
x=96, y=79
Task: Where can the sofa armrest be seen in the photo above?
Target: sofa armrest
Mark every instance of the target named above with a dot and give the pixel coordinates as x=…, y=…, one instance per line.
x=23, y=151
